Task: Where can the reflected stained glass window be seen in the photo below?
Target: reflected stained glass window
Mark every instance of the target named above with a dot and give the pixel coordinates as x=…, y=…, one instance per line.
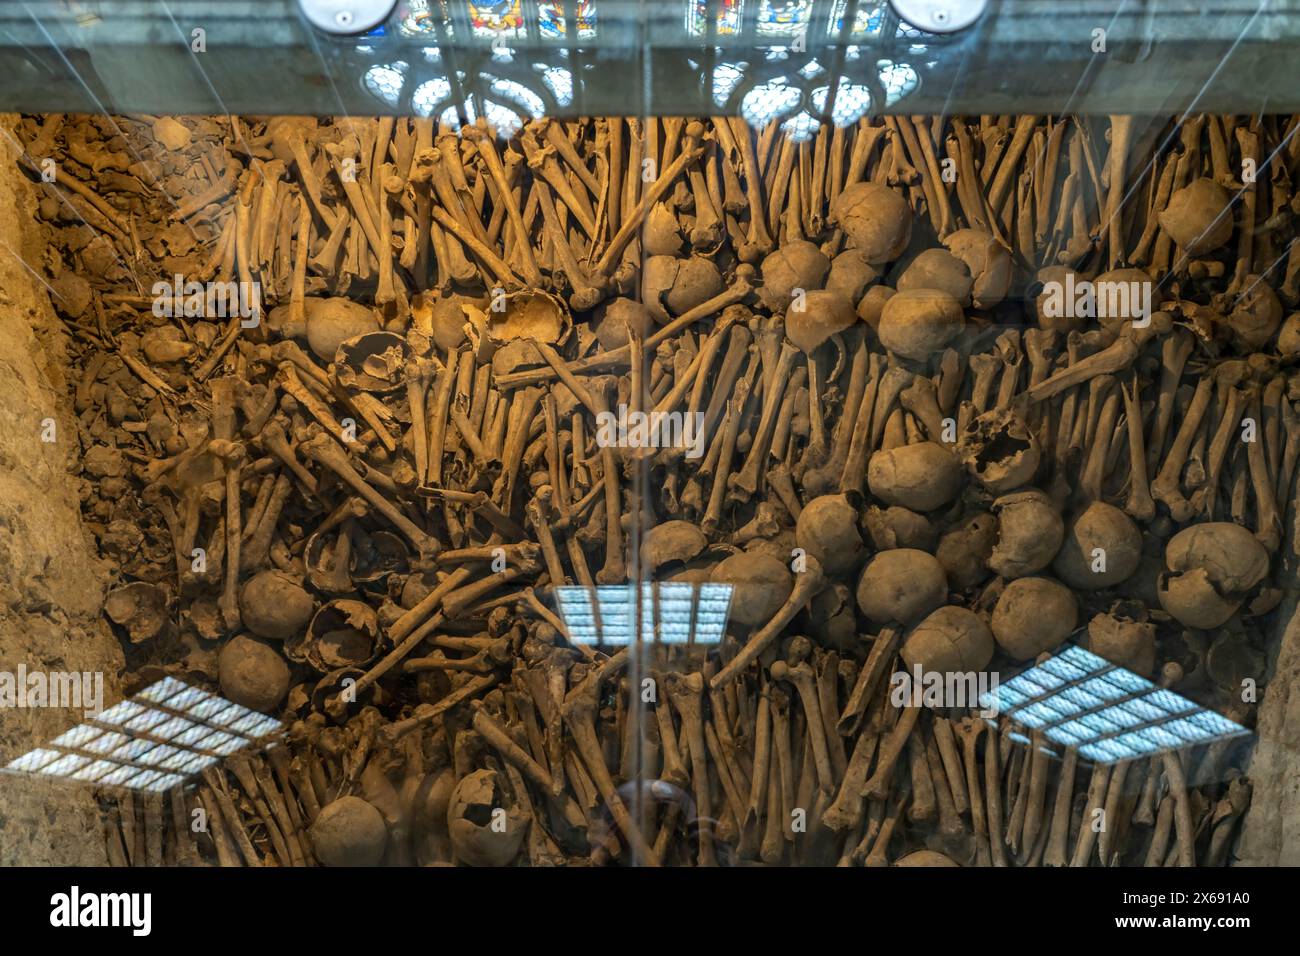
x=800, y=127
x=560, y=82
x=418, y=19
x=726, y=77
x=766, y=102
x=728, y=22
x=907, y=30
x=551, y=22
x=505, y=18
x=384, y=81
x=503, y=120
x=429, y=94
x=898, y=79
x=868, y=20
x=783, y=18
x=851, y=102
x=518, y=93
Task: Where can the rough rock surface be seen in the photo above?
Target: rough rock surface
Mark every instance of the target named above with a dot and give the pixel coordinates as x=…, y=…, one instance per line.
x=1270, y=834
x=51, y=585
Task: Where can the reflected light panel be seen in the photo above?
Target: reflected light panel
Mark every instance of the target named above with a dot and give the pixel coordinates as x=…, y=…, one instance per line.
x=152, y=741
x=669, y=613
x=1105, y=712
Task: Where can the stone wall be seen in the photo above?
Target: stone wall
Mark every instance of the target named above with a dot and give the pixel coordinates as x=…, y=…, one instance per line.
x=1271, y=831
x=51, y=583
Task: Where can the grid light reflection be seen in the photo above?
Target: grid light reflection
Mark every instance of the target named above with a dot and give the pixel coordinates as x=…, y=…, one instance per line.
x=670, y=613
x=1105, y=712
x=152, y=741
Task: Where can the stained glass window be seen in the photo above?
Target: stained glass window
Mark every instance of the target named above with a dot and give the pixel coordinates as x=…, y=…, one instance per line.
x=728, y=22
x=429, y=94
x=783, y=18
x=504, y=18
x=764, y=103
x=851, y=102
x=560, y=82
x=418, y=19
x=868, y=20
x=726, y=77
x=506, y=122
x=516, y=91
x=385, y=81
x=800, y=127
x=898, y=79
x=550, y=18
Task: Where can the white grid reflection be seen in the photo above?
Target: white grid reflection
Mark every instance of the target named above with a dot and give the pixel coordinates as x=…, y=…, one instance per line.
x=801, y=127
x=520, y=94
x=767, y=101
x=670, y=613
x=851, y=102
x=726, y=77
x=1105, y=712
x=384, y=81
x=506, y=122
x=153, y=741
x=560, y=82
x=898, y=79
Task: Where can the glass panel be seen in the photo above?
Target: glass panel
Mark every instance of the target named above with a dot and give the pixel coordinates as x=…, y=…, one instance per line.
x=656, y=430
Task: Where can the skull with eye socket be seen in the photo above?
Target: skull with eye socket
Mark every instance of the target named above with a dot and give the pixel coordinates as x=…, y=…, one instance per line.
x=486, y=826
x=343, y=633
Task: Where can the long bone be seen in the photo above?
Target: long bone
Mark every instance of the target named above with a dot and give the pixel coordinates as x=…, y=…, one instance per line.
x=1166, y=487
x=621, y=357
x=924, y=806
x=744, y=483
x=1175, y=350
x=969, y=730
x=797, y=671
x=807, y=583
x=1114, y=358
x=231, y=454
x=323, y=449
x=686, y=694
x=993, y=798
x=1231, y=402
x=614, y=569
x=1139, y=503
x=1268, y=522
